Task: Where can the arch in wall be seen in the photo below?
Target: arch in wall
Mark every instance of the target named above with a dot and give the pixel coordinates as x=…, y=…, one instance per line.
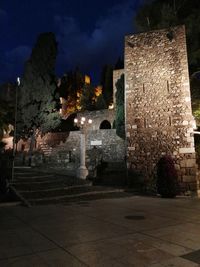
x=105, y=125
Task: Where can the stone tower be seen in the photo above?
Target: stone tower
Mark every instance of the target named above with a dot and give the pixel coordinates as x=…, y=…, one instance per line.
x=158, y=105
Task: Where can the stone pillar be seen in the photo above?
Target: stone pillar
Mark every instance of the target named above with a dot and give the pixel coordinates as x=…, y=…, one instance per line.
x=82, y=171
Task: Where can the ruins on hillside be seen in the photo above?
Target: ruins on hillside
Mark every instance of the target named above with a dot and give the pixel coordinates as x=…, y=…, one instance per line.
x=157, y=101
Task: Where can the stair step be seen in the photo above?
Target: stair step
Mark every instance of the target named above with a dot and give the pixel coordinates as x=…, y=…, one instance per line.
x=53, y=189
x=34, y=177
x=50, y=181
x=65, y=191
x=42, y=188
x=59, y=199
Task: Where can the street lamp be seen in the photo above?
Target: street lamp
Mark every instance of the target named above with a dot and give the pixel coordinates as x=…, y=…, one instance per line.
x=82, y=171
x=15, y=127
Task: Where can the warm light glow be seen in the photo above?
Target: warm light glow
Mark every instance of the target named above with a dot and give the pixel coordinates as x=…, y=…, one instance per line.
x=8, y=141
x=98, y=90
x=87, y=79
x=111, y=106
x=75, y=120
x=82, y=122
x=83, y=119
x=89, y=121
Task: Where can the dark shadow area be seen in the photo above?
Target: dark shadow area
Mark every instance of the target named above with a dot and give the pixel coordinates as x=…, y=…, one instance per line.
x=67, y=124
x=105, y=125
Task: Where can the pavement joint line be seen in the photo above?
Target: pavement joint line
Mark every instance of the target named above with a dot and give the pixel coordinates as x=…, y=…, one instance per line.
x=26, y=254
x=167, y=241
x=101, y=239
x=49, y=239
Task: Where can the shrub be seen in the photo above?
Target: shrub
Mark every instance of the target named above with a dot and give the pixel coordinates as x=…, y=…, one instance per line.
x=166, y=177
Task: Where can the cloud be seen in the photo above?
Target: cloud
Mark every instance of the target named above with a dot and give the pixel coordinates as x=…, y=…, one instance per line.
x=3, y=14
x=104, y=44
x=13, y=62
x=18, y=54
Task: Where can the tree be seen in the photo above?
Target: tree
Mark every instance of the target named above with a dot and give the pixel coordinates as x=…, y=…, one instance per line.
x=100, y=103
x=120, y=118
x=195, y=95
x=38, y=100
x=87, y=101
x=107, y=84
x=7, y=105
x=70, y=87
x=6, y=117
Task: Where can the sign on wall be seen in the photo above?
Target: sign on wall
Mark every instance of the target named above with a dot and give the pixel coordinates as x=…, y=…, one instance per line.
x=96, y=143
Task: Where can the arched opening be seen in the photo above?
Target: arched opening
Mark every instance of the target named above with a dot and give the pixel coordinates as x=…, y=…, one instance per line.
x=105, y=125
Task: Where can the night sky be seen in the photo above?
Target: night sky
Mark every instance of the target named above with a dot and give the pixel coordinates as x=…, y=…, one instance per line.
x=89, y=33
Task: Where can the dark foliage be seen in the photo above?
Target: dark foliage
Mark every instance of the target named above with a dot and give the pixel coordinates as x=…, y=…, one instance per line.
x=120, y=117
x=107, y=84
x=71, y=82
x=166, y=177
x=37, y=98
x=87, y=98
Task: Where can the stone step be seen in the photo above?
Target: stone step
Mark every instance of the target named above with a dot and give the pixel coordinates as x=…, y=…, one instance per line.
x=52, y=189
x=29, y=177
x=66, y=191
x=77, y=197
x=31, y=184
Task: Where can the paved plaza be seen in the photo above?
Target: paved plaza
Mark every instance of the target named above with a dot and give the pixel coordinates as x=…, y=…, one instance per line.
x=126, y=231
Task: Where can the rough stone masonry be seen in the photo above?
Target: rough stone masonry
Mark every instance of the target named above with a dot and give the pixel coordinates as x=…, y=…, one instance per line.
x=158, y=105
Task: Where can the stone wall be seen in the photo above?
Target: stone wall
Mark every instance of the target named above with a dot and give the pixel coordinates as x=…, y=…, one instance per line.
x=116, y=76
x=62, y=148
x=98, y=117
x=65, y=147
x=158, y=105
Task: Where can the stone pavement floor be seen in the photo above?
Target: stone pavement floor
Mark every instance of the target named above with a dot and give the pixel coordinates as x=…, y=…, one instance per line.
x=130, y=231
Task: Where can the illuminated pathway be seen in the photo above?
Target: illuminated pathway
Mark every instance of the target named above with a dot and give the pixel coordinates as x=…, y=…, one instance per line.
x=127, y=231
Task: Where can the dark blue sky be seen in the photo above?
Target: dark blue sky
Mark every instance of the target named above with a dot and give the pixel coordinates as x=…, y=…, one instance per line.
x=89, y=33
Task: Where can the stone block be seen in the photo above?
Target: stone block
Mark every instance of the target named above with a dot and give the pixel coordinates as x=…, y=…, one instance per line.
x=189, y=178
x=185, y=150
x=190, y=163
x=183, y=163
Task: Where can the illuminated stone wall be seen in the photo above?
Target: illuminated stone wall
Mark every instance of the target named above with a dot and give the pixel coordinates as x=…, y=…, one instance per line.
x=158, y=106
x=58, y=145
x=97, y=117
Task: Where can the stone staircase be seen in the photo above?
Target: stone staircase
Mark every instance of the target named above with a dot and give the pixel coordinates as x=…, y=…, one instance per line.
x=46, y=149
x=34, y=187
